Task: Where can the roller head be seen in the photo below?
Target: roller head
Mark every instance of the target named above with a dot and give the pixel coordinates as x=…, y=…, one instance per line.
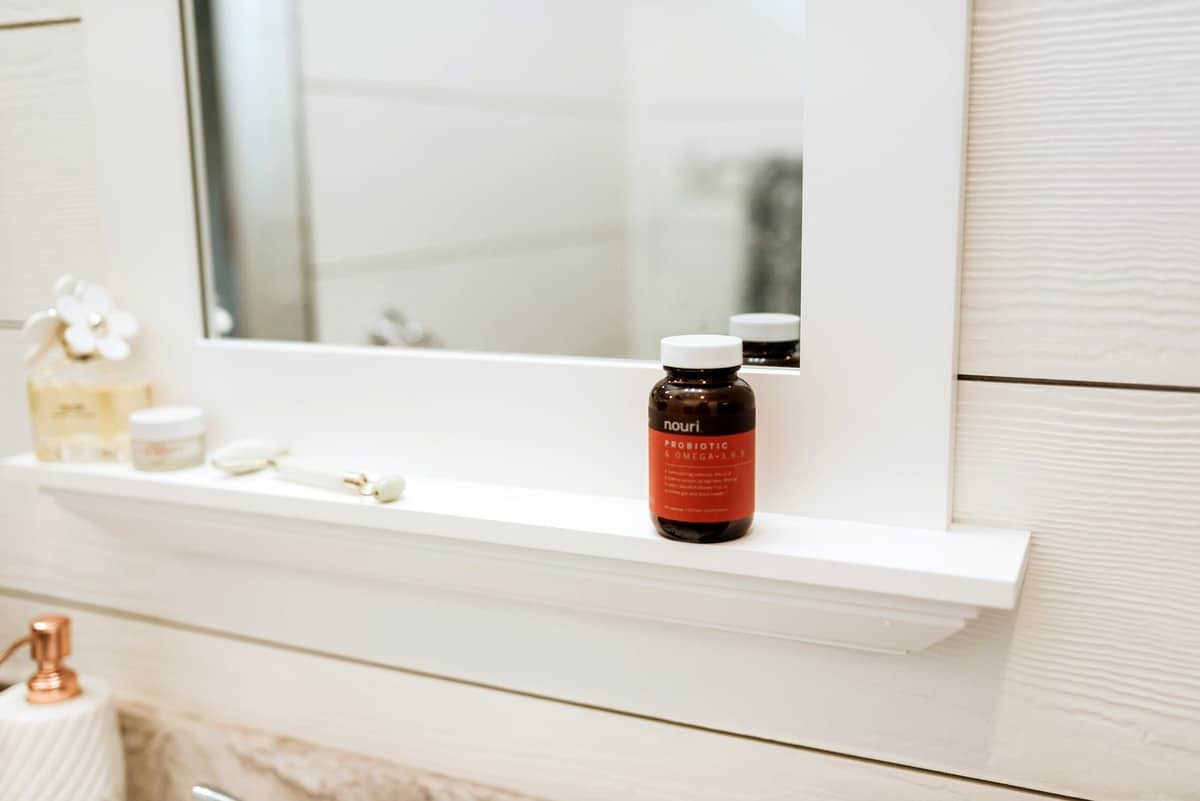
x=388, y=488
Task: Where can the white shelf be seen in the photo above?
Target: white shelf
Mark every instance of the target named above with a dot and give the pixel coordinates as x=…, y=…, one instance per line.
x=857, y=585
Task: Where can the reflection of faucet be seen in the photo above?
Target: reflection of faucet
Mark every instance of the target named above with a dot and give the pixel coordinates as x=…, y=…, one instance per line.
x=392, y=329
x=202, y=793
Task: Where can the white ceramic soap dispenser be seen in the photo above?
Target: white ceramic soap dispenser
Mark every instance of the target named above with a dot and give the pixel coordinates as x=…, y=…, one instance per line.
x=58, y=740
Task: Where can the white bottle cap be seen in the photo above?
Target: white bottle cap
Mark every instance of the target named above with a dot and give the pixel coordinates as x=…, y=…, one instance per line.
x=702, y=351
x=164, y=423
x=765, y=327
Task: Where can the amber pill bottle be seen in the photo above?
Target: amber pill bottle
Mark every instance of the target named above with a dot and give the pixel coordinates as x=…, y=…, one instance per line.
x=702, y=441
x=768, y=339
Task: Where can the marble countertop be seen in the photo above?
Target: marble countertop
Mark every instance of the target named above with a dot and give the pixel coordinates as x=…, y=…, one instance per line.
x=167, y=753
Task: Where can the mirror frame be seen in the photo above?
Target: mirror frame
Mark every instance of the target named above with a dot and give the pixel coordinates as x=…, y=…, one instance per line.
x=863, y=431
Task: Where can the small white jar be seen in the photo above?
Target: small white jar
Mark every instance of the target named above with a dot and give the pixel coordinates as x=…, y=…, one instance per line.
x=167, y=437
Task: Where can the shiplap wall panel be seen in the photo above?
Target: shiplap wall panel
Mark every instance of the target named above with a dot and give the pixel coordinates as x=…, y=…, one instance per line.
x=18, y=12
x=1102, y=672
x=548, y=749
x=49, y=223
x=1082, y=240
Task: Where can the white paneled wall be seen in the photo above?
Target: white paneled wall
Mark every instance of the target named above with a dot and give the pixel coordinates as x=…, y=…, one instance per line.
x=1082, y=264
x=1083, y=201
x=480, y=151
x=477, y=733
x=49, y=223
x=1101, y=672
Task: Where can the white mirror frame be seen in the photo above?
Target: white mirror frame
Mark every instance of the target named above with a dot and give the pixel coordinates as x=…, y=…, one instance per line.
x=863, y=432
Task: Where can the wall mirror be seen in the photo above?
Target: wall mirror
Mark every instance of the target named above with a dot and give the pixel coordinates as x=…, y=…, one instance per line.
x=577, y=177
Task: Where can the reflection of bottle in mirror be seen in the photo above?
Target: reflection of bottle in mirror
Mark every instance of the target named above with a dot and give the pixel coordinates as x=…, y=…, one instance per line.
x=768, y=339
x=702, y=441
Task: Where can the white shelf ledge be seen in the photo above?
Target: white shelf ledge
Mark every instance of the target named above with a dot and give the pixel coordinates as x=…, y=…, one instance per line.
x=836, y=582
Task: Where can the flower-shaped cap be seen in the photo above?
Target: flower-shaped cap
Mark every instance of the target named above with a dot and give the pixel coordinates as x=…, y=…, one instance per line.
x=86, y=321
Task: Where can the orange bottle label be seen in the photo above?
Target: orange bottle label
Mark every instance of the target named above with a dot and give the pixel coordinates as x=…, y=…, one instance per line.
x=698, y=479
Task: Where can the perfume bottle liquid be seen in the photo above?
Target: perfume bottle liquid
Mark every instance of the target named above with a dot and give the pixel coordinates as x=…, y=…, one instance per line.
x=81, y=421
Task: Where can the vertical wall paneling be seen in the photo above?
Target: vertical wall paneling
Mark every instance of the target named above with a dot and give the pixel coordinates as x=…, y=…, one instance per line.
x=1082, y=247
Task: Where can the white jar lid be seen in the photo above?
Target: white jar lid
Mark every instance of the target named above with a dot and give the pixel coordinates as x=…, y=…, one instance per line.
x=163, y=423
x=765, y=327
x=702, y=351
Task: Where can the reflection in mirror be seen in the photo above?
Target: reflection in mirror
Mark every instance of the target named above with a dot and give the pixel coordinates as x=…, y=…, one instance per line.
x=575, y=177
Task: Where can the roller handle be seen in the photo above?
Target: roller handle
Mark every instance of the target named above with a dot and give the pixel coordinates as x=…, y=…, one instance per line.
x=314, y=475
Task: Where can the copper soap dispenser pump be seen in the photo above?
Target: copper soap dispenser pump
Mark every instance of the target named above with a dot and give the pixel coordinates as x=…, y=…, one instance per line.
x=49, y=641
x=58, y=741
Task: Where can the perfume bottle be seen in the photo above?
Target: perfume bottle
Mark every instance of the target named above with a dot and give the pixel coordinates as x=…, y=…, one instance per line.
x=81, y=387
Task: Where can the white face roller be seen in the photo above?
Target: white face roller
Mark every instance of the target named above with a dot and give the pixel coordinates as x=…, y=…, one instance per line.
x=248, y=456
x=389, y=488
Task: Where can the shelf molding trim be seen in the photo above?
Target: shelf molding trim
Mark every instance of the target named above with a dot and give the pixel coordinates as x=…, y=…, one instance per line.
x=856, y=585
